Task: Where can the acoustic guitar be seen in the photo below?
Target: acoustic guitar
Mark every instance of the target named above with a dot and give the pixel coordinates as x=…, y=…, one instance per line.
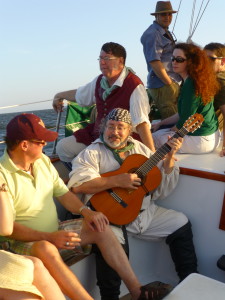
x=122, y=206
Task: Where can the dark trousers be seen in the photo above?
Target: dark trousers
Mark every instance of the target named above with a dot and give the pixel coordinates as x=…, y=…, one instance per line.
x=183, y=251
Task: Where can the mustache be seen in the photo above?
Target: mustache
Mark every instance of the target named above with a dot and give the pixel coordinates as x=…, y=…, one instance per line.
x=114, y=136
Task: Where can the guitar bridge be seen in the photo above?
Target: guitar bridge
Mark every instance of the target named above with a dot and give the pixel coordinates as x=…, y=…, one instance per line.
x=117, y=198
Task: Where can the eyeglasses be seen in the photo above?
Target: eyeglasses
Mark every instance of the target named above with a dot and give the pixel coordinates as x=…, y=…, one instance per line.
x=118, y=128
x=43, y=143
x=178, y=59
x=214, y=58
x=106, y=58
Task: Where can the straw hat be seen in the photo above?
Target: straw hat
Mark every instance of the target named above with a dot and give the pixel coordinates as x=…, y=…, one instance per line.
x=163, y=7
x=17, y=273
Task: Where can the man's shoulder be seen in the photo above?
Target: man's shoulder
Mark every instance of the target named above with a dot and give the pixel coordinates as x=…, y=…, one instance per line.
x=153, y=31
x=5, y=163
x=94, y=146
x=140, y=147
x=133, y=78
x=43, y=161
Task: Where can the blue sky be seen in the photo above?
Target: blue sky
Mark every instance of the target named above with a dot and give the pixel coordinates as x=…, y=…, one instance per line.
x=49, y=46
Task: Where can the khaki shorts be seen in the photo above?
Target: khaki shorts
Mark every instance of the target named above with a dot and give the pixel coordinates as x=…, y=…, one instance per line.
x=165, y=99
x=24, y=248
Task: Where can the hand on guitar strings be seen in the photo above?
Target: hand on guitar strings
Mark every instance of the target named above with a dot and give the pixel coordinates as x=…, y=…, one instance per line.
x=127, y=181
x=175, y=144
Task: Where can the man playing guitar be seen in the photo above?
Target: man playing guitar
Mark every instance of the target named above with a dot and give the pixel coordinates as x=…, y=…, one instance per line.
x=151, y=222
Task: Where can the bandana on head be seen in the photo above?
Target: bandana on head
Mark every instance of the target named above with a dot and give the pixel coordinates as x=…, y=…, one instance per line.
x=119, y=114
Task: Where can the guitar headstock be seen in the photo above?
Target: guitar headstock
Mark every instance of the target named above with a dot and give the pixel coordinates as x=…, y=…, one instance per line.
x=193, y=122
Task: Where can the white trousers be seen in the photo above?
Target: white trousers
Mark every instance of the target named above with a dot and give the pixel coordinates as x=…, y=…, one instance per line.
x=191, y=144
x=154, y=223
x=68, y=147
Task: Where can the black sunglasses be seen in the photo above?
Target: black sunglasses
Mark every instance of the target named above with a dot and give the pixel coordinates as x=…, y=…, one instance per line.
x=178, y=59
x=214, y=58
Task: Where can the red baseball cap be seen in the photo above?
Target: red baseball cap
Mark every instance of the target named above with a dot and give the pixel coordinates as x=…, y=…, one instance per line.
x=27, y=127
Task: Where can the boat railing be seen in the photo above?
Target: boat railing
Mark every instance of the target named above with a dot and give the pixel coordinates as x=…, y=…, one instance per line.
x=57, y=127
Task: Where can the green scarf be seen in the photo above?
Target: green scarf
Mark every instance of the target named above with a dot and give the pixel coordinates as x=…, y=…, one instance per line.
x=107, y=89
x=116, y=152
x=105, y=85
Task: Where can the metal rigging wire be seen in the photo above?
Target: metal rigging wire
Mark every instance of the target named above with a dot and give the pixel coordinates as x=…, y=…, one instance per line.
x=191, y=32
x=176, y=15
x=196, y=23
x=15, y=105
x=192, y=18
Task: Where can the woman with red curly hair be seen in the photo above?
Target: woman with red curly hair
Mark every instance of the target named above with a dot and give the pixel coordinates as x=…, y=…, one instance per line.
x=196, y=96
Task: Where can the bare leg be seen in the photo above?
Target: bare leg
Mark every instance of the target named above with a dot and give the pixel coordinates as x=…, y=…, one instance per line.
x=44, y=282
x=114, y=255
x=65, y=278
x=6, y=294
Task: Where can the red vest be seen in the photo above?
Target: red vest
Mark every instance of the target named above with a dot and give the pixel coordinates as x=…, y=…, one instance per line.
x=120, y=97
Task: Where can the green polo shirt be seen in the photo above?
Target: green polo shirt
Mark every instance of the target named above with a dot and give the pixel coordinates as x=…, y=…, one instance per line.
x=32, y=197
x=189, y=104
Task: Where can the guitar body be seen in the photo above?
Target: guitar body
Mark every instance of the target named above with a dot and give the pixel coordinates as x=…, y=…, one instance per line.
x=122, y=206
x=117, y=213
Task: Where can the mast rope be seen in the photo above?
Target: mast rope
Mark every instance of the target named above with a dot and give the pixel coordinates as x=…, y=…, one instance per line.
x=196, y=23
x=198, y=18
x=16, y=105
x=177, y=15
x=192, y=17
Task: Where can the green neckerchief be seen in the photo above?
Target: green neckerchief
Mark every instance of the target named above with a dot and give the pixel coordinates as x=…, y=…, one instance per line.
x=116, y=152
x=107, y=89
x=105, y=85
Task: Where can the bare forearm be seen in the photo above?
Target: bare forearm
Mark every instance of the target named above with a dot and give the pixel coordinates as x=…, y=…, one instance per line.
x=71, y=202
x=145, y=134
x=170, y=120
x=6, y=215
x=160, y=71
x=26, y=234
x=67, y=95
x=96, y=185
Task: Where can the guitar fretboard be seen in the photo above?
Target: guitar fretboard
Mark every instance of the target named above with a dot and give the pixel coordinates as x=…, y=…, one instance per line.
x=158, y=155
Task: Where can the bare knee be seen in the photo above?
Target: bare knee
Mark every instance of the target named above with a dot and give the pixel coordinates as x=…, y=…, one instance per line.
x=180, y=220
x=45, y=251
x=38, y=264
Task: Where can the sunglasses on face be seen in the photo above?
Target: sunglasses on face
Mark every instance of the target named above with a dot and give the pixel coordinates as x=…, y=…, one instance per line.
x=213, y=58
x=43, y=143
x=178, y=59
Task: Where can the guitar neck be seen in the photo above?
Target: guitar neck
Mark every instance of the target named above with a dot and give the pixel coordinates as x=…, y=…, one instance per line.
x=159, y=154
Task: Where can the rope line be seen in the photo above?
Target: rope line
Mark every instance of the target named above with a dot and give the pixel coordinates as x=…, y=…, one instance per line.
x=177, y=15
x=198, y=18
x=196, y=23
x=16, y=105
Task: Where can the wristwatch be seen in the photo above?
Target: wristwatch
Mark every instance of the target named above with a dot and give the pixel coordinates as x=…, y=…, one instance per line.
x=83, y=207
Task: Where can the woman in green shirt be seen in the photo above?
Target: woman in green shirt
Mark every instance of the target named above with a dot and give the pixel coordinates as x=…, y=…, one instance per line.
x=196, y=96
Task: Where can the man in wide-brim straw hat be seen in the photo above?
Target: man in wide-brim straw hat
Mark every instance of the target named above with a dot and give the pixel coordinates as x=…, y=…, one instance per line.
x=158, y=44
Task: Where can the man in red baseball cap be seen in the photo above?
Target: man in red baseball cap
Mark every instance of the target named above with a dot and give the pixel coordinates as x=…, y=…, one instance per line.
x=29, y=127
x=31, y=181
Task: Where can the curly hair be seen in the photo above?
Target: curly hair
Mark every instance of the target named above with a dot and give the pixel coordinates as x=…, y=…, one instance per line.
x=200, y=71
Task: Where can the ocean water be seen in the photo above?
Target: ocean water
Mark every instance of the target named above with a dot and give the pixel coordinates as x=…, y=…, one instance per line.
x=48, y=116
